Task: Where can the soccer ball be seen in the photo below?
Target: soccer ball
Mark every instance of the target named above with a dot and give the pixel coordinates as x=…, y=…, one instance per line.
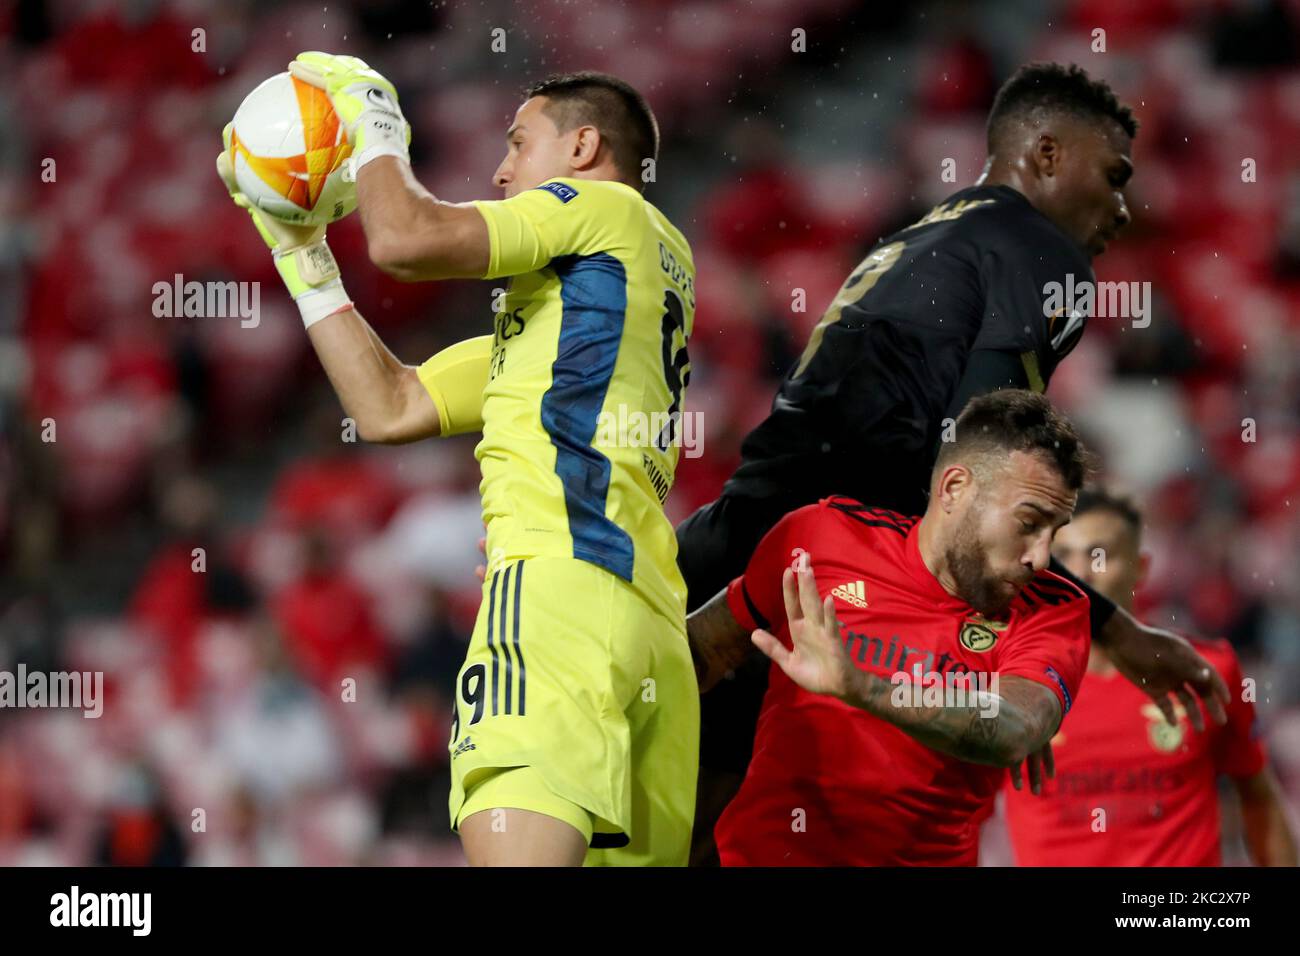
x=288, y=149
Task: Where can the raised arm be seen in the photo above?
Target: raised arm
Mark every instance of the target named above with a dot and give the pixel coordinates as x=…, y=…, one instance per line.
x=1001, y=729
x=394, y=403
x=381, y=394
x=412, y=235
x=390, y=401
x=1164, y=665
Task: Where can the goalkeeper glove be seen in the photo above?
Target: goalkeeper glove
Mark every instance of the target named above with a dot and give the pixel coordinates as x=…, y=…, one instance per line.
x=365, y=102
x=301, y=255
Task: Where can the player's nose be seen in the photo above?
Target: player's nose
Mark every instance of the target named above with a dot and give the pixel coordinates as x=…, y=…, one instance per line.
x=1122, y=217
x=501, y=178
x=1039, y=556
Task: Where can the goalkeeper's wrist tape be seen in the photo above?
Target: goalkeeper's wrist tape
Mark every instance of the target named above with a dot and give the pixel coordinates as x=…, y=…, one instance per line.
x=312, y=277
x=378, y=133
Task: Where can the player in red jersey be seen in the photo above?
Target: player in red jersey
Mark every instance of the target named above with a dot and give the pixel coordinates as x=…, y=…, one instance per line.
x=872, y=748
x=1130, y=790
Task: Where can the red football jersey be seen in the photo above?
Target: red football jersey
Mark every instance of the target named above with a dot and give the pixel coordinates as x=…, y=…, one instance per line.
x=831, y=785
x=1155, y=783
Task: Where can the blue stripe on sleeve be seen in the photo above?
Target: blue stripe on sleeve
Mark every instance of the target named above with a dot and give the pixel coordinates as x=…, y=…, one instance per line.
x=1065, y=693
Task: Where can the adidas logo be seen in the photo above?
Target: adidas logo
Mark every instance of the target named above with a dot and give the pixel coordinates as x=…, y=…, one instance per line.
x=462, y=747
x=855, y=592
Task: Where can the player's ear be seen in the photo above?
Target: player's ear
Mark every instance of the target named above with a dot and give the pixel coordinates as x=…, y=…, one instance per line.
x=955, y=481
x=586, y=147
x=1046, y=154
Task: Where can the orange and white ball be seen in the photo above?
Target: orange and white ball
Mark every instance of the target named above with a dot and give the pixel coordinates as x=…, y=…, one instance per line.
x=288, y=149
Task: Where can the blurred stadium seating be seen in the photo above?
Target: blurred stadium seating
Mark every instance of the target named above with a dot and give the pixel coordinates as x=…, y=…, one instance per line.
x=327, y=559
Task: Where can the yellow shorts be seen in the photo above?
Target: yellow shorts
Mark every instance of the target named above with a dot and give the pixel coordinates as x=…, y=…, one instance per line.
x=523, y=788
x=572, y=673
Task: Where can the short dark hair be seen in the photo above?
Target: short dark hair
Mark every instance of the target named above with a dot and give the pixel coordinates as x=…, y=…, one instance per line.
x=1098, y=498
x=1014, y=419
x=1057, y=89
x=614, y=107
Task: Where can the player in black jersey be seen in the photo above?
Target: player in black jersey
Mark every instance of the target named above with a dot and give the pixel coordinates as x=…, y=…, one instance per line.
x=950, y=307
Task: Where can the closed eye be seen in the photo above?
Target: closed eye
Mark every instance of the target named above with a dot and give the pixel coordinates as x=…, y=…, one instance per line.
x=1120, y=175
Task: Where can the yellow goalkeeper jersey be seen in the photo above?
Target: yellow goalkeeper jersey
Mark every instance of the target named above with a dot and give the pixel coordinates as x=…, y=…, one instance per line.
x=581, y=414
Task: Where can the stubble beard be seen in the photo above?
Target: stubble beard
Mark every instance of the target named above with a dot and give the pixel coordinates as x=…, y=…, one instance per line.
x=976, y=584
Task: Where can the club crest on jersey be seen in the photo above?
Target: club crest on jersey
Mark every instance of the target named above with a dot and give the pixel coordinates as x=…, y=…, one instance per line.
x=559, y=190
x=1163, y=737
x=979, y=634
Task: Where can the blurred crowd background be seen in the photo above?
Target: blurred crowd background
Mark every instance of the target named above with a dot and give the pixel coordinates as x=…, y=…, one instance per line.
x=327, y=559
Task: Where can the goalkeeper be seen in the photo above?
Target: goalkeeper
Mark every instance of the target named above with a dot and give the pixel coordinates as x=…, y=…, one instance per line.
x=577, y=711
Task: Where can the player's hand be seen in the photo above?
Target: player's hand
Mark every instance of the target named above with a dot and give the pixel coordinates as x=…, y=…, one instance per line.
x=1040, y=766
x=352, y=86
x=366, y=104
x=1165, y=666
x=302, y=257
x=819, y=662
x=280, y=237
x=480, y=570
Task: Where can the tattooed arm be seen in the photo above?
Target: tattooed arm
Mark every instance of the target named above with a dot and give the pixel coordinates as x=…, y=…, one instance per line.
x=718, y=643
x=999, y=729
